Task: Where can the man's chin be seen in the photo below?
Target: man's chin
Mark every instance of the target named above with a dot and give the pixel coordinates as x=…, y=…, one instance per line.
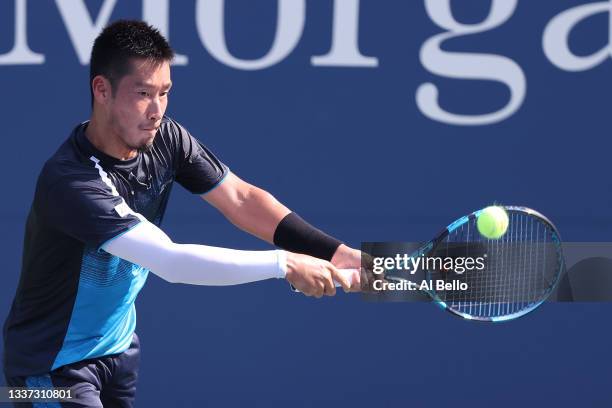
x=145, y=147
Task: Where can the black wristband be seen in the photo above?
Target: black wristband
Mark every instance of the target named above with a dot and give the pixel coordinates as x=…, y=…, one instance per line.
x=296, y=235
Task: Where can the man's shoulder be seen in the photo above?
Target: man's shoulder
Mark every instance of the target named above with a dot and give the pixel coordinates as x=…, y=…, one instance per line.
x=170, y=128
x=172, y=136
x=66, y=179
x=67, y=166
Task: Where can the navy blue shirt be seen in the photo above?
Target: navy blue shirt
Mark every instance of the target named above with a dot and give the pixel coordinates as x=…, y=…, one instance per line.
x=75, y=301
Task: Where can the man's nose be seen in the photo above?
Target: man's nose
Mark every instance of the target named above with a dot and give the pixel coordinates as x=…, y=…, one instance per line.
x=155, y=110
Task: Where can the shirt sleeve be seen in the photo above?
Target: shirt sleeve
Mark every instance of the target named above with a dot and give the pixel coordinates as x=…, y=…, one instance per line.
x=150, y=247
x=197, y=168
x=88, y=210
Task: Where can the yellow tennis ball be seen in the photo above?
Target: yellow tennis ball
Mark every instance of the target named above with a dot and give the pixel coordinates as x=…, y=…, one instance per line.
x=492, y=222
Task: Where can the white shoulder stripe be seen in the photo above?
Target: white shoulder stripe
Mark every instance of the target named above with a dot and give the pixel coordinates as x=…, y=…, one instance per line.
x=122, y=208
x=104, y=175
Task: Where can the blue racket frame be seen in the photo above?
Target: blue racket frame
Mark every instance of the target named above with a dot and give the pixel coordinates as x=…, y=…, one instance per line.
x=433, y=244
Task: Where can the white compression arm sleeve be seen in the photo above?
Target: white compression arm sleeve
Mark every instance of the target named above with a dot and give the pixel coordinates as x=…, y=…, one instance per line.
x=148, y=246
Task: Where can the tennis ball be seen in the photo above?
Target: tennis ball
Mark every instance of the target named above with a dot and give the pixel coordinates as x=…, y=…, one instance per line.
x=492, y=222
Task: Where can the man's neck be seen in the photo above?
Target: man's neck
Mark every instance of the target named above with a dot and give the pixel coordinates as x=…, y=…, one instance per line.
x=102, y=136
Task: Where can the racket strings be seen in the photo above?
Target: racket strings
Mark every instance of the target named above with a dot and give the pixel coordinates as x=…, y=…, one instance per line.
x=519, y=270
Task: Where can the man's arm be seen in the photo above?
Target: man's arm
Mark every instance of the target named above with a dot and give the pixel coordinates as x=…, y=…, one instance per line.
x=148, y=246
x=257, y=212
x=247, y=207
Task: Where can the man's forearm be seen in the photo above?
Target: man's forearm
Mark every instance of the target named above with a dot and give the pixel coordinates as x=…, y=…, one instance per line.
x=258, y=213
x=262, y=215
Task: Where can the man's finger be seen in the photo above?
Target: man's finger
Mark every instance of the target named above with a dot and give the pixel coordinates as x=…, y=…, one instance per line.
x=320, y=290
x=343, y=279
x=355, y=279
x=329, y=288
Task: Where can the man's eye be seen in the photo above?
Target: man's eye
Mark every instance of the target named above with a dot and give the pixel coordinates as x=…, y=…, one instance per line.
x=164, y=94
x=143, y=93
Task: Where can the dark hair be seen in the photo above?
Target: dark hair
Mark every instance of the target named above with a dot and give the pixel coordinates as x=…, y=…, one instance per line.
x=121, y=41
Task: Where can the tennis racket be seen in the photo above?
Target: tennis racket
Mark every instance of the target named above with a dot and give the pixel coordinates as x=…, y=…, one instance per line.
x=521, y=268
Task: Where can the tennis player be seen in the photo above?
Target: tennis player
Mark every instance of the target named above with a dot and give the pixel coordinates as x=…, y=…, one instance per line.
x=92, y=234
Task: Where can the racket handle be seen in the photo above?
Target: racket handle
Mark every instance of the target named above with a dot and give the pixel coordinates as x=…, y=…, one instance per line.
x=348, y=273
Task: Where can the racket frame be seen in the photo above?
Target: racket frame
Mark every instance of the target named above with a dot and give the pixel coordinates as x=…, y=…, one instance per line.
x=431, y=245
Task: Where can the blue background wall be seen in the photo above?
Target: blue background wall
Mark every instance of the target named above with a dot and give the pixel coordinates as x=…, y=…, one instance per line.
x=350, y=151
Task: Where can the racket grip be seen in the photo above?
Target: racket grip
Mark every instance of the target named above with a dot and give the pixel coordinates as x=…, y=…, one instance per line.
x=348, y=273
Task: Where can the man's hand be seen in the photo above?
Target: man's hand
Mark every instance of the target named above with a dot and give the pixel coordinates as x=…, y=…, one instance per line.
x=313, y=276
x=349, y=258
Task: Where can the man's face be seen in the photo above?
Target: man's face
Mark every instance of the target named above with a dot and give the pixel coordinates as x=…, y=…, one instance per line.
x=138, y=103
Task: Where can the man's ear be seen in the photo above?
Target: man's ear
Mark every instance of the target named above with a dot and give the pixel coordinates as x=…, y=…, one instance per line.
x=101, y=89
